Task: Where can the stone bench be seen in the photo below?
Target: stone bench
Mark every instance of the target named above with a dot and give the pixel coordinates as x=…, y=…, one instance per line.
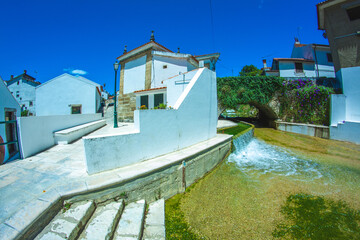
x=69, y=135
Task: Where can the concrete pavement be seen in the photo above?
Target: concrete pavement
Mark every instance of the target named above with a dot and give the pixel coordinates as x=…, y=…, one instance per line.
x=31, y=185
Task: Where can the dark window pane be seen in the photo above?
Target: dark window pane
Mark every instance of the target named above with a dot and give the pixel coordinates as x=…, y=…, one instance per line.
x=144, y=100
x=158, y=99
x=354, y=13
x=299, y=67
x=76, y=110
x=329, y=57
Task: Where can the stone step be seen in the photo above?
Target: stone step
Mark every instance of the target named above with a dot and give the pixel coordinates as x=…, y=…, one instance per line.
x=103, y=222
x=69, y=222
x=131, y=222
x=154, y=227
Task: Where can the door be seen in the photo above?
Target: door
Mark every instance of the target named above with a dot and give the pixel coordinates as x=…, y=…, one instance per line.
x=10, y=130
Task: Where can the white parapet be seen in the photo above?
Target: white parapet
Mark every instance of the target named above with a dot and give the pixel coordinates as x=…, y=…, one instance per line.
x=192, y=120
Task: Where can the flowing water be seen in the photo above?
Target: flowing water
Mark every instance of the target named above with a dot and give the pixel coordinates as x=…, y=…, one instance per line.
x=253, y=156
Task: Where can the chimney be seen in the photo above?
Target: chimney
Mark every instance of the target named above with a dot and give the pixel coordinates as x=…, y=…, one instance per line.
x=25, y=71
x=152, y=38
x=178, y=50
x=264, y=62
x=125, y=50
x=11, y=77
x=297, y=40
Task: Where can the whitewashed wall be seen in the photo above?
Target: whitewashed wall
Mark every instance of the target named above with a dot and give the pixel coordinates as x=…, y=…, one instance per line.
x=56, y=96
x=26, y=94
x=173, y=67
x=350, y=78
x=6, y=101
x=134, y=75
x=176, y=87
x=37, y=133
x=287, y=69
x=193, y=119
x=151, y=94
x=346, y=108
x=337, y=109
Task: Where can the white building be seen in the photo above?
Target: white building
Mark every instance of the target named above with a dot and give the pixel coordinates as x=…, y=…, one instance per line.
x=191, y=119
x=306, y=61
x=22, y=88
x=68, y=94
x=340, y=19
x=9, y=110
x=147, y=66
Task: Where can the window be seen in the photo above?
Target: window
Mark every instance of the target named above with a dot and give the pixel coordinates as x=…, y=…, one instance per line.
x=76, y=109
x=158, y=99
x=329, y=57
x=144, y=100
x=299, y=67
x=31, y=103
x=353, y=13
x=17, y=82
x=207, y=65
x=164, y=66
x=17, y=93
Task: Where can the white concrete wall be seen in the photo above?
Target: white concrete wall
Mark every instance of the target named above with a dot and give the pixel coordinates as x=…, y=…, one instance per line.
x=173, y=67
x=151, y=97
x=37, y=133
x=134, y=75
x=26, y=94
x=56, y=96
x=176, y=87
x=347, y=131
x=193, y=119
x=350, y=78
x=7, y=101
x=305, y=129
x=337, y=109
x=287, y=69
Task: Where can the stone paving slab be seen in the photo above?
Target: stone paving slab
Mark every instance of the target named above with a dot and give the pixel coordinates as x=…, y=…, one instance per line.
x=155, y=221
x=131, y=222
x=103, y=223
x=66, y=225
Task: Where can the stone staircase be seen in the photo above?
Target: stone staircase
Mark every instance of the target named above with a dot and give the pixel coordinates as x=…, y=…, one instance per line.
x=109, y=220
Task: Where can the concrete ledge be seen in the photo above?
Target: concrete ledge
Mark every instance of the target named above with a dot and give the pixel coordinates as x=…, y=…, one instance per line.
x=69, y=135
x=306, y=129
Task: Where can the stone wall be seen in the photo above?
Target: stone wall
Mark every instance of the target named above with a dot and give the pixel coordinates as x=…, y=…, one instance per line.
x=306, y=129
x=126, y=107
x=166, y=181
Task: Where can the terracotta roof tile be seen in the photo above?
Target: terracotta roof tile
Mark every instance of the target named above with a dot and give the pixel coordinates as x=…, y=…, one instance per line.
x=151, y=89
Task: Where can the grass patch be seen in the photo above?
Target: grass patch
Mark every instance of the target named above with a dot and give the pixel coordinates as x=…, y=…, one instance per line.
x=176, y=226
x=235, y=130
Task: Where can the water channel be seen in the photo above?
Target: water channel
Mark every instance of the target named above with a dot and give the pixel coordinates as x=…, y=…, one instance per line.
x=255, y=157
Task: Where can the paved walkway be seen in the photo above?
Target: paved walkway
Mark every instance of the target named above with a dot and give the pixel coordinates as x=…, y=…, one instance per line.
x=41, y=179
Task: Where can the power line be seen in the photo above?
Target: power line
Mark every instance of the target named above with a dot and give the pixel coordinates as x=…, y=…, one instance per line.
x=212, y=26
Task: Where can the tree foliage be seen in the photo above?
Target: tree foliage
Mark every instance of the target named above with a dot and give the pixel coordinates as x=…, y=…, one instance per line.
x=250, y=70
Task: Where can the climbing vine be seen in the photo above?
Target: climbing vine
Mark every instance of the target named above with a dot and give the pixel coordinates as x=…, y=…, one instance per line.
x=300, y=100
x=233, y=91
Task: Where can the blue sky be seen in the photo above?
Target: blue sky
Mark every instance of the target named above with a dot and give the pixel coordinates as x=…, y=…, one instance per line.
x=48, y=38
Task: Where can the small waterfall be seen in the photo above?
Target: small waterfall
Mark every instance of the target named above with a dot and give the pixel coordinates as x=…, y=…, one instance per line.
x=256, y=157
